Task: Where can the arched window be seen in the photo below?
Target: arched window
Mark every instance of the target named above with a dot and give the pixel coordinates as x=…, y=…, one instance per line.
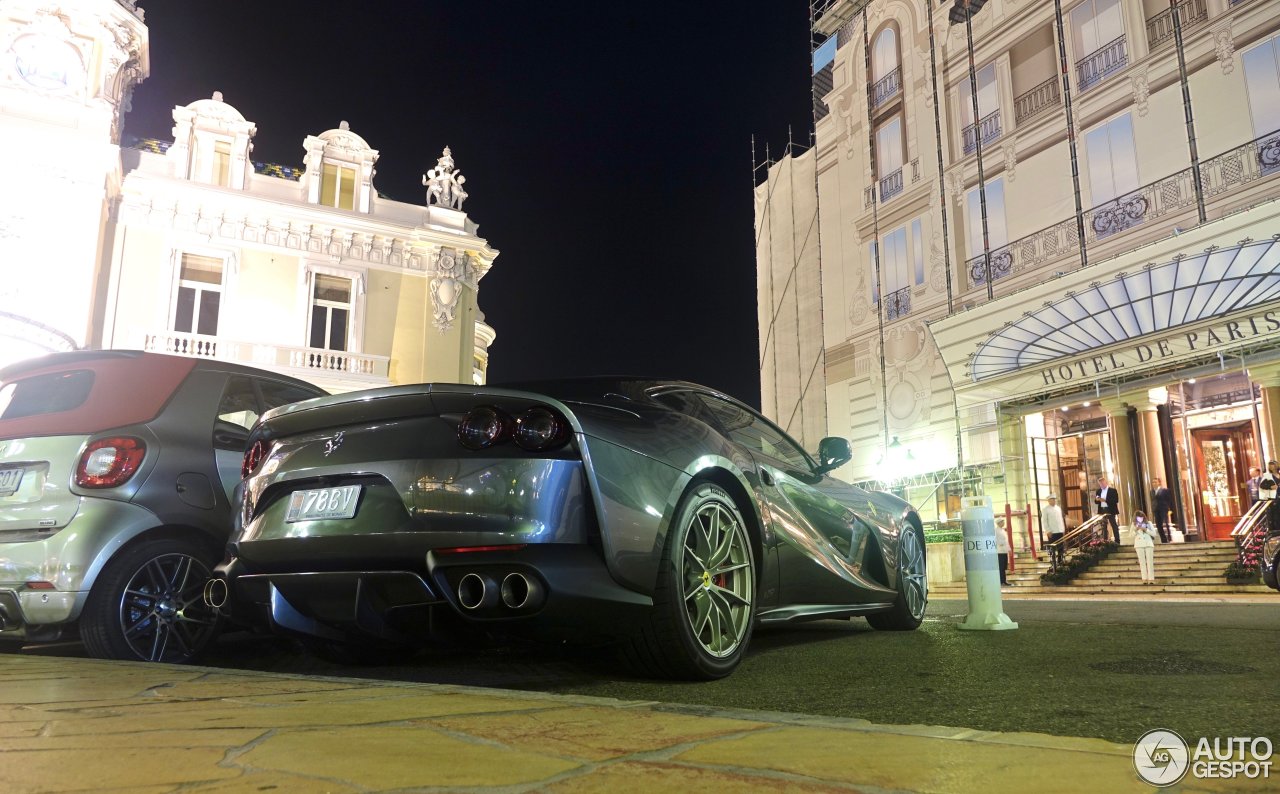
x=339, y=169
x=886, y=70
x=211, y=143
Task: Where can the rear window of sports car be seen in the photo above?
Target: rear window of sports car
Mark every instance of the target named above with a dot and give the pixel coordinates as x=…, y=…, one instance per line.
x=45, y=394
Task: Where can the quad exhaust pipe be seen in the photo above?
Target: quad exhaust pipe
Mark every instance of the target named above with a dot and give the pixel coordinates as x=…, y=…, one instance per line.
x=481, y=592
x=215, y=593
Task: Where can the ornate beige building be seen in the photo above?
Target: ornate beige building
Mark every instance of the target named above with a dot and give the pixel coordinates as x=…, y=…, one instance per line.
x=1081, y=277
x=189, y=246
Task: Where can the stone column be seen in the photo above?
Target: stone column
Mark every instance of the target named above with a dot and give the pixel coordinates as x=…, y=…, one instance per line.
x=1126, y=473
x=1149, y=447
x=1268, y=377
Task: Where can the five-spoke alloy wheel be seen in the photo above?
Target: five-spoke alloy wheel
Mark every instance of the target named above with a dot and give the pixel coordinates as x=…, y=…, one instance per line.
x=705, y=602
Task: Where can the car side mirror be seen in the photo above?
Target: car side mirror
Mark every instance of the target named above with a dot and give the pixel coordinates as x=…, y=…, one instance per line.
x=833, y=452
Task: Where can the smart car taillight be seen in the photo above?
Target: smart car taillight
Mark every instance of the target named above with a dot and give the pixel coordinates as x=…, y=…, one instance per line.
x=110, y=462
x=483, y=427
x=253, y=457
x=541, y=429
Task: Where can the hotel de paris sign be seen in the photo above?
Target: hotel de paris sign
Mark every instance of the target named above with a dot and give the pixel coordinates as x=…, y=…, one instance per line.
x=1209, y=338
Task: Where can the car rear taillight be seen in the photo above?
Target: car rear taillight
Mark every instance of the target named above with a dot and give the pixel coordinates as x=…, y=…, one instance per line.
x=253, y=457
x=483, y=427
x=541, y=429
x=110, y=462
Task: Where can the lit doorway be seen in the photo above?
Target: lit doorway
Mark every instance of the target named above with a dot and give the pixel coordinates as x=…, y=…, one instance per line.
x=1222, y=460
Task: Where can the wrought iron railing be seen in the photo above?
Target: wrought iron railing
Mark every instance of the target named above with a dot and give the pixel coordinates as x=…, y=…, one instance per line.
x=1241, y=165
x=1160, y=26
x=1032, y=103
x=886, y=88
x=891, y=186
x=1092, y=530
x=988, y=127
x=1227, y=171
x=1106, y=60
x=897, y=304
x=1249, y=534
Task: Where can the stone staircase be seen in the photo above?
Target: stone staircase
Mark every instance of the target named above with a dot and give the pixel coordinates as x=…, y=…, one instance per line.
x=1181, y=568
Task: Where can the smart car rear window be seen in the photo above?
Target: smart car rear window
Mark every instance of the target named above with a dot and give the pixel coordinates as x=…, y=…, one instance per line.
x=45, y=394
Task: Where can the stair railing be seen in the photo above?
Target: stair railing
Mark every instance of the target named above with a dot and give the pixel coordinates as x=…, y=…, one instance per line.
x=1250, y=531
x=1075, y=540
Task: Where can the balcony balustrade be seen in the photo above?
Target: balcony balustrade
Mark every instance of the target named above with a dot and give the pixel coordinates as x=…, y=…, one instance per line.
x=1032, y=103
x=891, y=186
x=1228, y=171
x=305, y=362
x=1160, y=26
x=988, y=127
x=897, y=304
x=1106, y=60
x=886, y=88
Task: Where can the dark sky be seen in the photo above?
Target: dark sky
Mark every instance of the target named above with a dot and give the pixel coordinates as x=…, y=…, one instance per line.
x=606, y=146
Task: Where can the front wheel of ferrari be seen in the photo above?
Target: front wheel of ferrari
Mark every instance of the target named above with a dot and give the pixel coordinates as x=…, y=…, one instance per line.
x=704, y=605
x=913, y=587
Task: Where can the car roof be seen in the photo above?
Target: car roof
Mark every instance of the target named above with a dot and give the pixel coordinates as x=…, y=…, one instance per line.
x=129, y=387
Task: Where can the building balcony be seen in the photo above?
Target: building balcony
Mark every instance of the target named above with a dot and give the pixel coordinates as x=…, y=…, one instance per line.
x=897, y=304
x=325, y=368
x=886, y=88
x=891, y=186
x=1098, y=65
x=1223, y=174
x=988, y=128
x=1160, y=27
x=1029, y=104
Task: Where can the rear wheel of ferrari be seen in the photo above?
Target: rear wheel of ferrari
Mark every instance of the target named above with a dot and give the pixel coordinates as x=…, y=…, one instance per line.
x=147, y=604
x=704, y=605
x=913, y=586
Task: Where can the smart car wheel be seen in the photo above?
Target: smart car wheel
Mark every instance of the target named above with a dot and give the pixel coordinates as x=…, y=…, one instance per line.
x=913, y=586
x=704, y=605
x=147, y=604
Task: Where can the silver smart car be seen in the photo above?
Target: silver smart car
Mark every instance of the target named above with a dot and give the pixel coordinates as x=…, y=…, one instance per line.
x=117, y=472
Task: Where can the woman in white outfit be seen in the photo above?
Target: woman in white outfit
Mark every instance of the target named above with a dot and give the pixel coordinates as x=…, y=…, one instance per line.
x=1144, y=544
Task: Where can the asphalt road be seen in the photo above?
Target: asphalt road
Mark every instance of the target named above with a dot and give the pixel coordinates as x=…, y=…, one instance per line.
x=1106, y=669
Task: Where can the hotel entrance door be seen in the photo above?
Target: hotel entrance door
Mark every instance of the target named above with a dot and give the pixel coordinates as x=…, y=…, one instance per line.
x=1221, y=472
x=1071, y=466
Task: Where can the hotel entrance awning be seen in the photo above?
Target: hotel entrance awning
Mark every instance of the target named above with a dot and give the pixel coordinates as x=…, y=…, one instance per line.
x=1174, y=304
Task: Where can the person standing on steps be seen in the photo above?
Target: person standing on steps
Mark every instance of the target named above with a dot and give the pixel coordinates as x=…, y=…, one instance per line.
x=1055, y=525
x=1162, y=499
x=1002, y=551
x=1144, y=544
x=1107, y=500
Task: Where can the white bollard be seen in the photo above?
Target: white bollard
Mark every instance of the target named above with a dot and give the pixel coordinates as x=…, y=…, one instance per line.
x=982, y=567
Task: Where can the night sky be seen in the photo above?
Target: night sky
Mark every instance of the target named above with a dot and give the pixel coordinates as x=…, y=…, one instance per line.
x=606, y=146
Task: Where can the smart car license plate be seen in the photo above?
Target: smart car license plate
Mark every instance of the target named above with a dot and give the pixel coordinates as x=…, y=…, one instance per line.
x=323, y=503
x=10, y=479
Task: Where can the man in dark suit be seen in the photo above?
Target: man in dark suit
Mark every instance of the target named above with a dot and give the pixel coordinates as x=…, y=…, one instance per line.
x=1162, y=501
x=1107, y=500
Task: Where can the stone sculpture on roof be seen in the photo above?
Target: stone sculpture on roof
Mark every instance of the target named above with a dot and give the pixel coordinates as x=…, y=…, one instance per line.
x=444, y=183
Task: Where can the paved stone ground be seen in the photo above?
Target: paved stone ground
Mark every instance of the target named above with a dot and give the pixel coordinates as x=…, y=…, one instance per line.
x=72, y=725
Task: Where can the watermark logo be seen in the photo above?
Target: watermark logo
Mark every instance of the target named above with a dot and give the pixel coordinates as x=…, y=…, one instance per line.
x=1161, y=757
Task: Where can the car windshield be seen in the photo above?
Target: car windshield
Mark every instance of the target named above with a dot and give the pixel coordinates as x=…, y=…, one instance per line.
x=45, y=394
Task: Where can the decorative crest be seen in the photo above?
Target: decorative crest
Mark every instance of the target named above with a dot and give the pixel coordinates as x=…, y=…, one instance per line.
x=444, y=183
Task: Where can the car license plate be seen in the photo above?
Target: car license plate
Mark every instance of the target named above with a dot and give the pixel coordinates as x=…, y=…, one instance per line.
x=323, y=503
x=10, y=479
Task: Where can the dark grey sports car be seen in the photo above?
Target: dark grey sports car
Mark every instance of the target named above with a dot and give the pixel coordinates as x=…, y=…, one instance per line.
x=664, y=517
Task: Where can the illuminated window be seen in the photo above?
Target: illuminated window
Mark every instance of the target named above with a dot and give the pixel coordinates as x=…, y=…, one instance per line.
x=222, y=163
x=199, y=296
x=338, y=186
x=331, y=309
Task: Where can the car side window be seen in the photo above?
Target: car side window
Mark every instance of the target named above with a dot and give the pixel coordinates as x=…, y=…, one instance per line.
x=687, y=403
x=239, y=405
x=754, y=433
x=276, y=393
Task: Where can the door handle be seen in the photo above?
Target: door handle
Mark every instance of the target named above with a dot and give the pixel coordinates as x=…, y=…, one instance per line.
x=765, y=477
